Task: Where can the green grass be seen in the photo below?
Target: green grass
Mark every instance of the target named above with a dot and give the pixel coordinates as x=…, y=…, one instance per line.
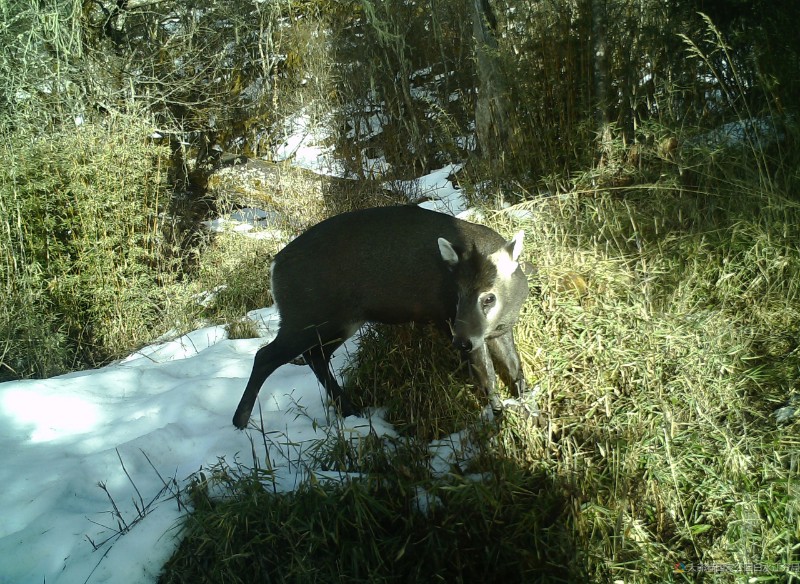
x=658, y=390
x=414, y=373
x=375, y=529
x=85, y=260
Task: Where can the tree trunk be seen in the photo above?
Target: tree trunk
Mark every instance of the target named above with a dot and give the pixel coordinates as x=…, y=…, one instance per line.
x=600, y=73
x=491, y=108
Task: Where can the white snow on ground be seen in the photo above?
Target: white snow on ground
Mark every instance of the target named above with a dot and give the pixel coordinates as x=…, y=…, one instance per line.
x=305, y=145
x=250, y=222
x=434, y=191
x=162, y=413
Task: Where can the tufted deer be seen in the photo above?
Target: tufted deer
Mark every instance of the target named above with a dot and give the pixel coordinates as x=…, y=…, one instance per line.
x=395, y=265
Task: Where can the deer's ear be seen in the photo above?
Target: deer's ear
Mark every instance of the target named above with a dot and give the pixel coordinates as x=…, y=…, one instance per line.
x=447, y=252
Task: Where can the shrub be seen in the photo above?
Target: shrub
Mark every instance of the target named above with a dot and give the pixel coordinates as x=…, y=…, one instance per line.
x=82, y=238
